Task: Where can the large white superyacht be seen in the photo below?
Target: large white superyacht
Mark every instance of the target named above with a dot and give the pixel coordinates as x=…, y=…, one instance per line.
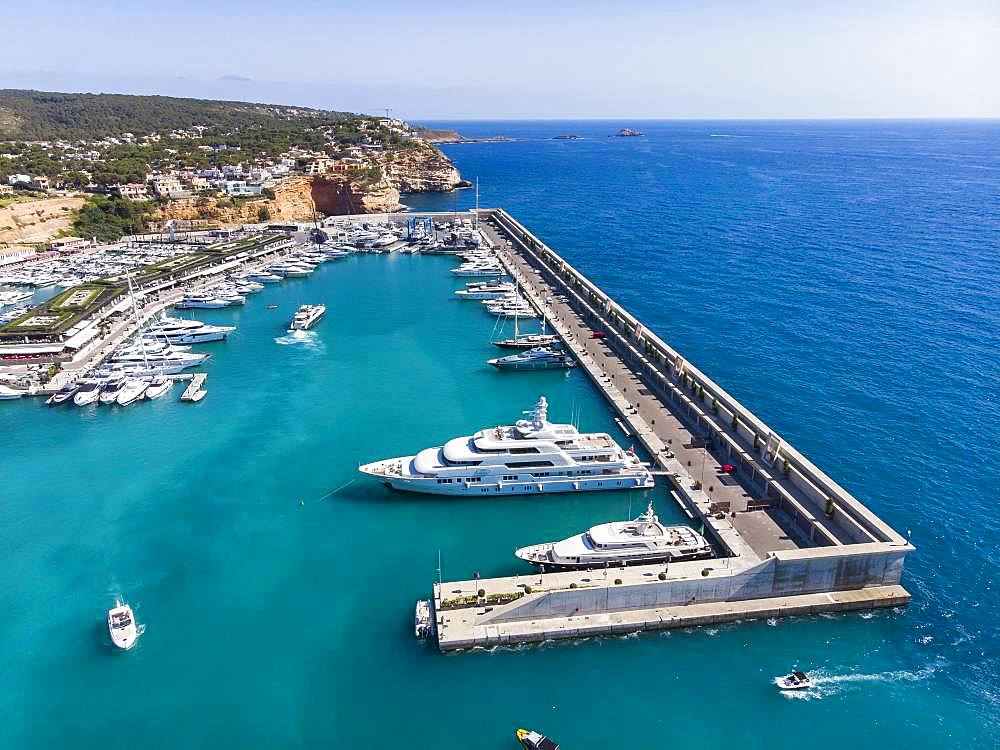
x=640, y=542
x=530, y=457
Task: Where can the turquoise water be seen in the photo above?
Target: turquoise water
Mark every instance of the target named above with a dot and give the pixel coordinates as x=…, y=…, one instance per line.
x=840, y=280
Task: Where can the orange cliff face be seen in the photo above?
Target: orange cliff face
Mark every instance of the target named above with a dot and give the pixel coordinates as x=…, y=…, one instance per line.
x=421, y=168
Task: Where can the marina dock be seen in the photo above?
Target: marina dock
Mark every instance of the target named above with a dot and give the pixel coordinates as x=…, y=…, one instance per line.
x=195, y=390
x=789, y=539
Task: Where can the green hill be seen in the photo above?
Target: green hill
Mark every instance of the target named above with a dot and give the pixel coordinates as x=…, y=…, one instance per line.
x=40, y=115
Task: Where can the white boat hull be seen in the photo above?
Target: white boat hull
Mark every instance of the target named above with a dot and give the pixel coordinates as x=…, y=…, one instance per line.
x=494, y=488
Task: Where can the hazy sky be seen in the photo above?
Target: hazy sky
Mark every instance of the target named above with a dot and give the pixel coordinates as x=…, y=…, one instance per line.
x=513, y=58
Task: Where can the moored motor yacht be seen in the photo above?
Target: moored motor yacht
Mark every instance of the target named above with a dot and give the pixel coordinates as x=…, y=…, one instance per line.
x=88, y=392
x=263, y=277
x=111, y=389
x=132, y=391
x=7, y=393
x=539, y=358
x=121, y=626
x=531, y=456
x=158, y=387
x=643, y=541
x=201, y=302
x=487, y=290
x=63, y=395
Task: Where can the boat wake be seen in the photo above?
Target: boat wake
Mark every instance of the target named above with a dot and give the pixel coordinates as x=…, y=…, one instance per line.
x=305, y=339
x=826, y=684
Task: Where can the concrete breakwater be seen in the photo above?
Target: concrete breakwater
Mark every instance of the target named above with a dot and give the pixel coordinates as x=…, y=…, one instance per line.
x=790, y=539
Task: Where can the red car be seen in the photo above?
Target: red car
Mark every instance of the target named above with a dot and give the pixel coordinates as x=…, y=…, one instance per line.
x=728, y=468
x=597, y=334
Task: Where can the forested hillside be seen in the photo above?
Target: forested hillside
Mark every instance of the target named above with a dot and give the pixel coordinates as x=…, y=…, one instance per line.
x=40, y=115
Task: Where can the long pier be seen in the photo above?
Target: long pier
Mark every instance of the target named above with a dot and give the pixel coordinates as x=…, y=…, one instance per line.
x=790, y=539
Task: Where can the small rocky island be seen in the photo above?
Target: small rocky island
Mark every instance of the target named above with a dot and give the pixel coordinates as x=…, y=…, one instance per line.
x=629, y=133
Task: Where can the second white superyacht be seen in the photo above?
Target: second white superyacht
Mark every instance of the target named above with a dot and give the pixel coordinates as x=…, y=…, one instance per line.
x=529, y=457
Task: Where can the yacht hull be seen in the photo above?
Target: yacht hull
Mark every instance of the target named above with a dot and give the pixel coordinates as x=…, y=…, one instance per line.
x=562, y=565
x=430, y=485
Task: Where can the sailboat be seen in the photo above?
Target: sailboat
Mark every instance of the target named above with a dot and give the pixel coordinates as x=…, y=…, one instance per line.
x=527, y=341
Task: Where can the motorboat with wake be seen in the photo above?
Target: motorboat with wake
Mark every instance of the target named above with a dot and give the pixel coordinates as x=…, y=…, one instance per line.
x=306, y=317
x=540, y=358
x=529, y=457
x=795, y=681
x=643, y=541
x=121, y=626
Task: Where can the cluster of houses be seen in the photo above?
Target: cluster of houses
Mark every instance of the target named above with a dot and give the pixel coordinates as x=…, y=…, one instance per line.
x=230, y=180
x=239, y=180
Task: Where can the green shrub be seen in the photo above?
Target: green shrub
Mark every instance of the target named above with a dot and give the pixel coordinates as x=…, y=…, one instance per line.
x=574, y=585
x=662, y=576
x=618, y=582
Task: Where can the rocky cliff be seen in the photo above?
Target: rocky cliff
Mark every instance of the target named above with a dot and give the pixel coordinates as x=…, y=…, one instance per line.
x=422, y=169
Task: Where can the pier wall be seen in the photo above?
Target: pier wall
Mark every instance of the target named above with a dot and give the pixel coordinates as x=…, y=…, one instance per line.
x=780, y=575
x=727, y=421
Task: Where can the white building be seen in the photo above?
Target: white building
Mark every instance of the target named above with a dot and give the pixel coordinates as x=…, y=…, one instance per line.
x=234, y=188
x=19, y=179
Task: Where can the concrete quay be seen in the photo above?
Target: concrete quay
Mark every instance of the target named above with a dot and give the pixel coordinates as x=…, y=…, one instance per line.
x=789, y=539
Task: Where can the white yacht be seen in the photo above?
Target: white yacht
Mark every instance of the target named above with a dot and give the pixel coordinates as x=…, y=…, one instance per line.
x=184, y=331
x=487, y=290
x=158, y=386
x=305, y=317
x=478, y=269
x=88, y=393
x=263, y=277
x=111, y=389
x=640, y=542
x=133, y=390
x=121, y=626
x=529, y=457
x=201, y=302
x=7, y=393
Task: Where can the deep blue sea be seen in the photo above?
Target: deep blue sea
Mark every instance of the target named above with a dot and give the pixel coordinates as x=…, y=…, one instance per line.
x=841, y=279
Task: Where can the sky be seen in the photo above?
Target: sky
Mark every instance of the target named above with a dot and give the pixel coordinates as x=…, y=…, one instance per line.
x=519, y=59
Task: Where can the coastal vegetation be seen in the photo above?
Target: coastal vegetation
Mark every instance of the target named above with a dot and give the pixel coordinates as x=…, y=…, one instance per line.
x=109, y=219
x=42, y=115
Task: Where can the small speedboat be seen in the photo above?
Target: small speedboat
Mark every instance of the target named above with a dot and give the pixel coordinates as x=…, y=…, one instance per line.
x=532, y=740
x=121, y=626
x=794, y=681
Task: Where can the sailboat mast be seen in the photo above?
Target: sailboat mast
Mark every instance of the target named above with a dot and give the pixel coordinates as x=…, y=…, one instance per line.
x=138, y=324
